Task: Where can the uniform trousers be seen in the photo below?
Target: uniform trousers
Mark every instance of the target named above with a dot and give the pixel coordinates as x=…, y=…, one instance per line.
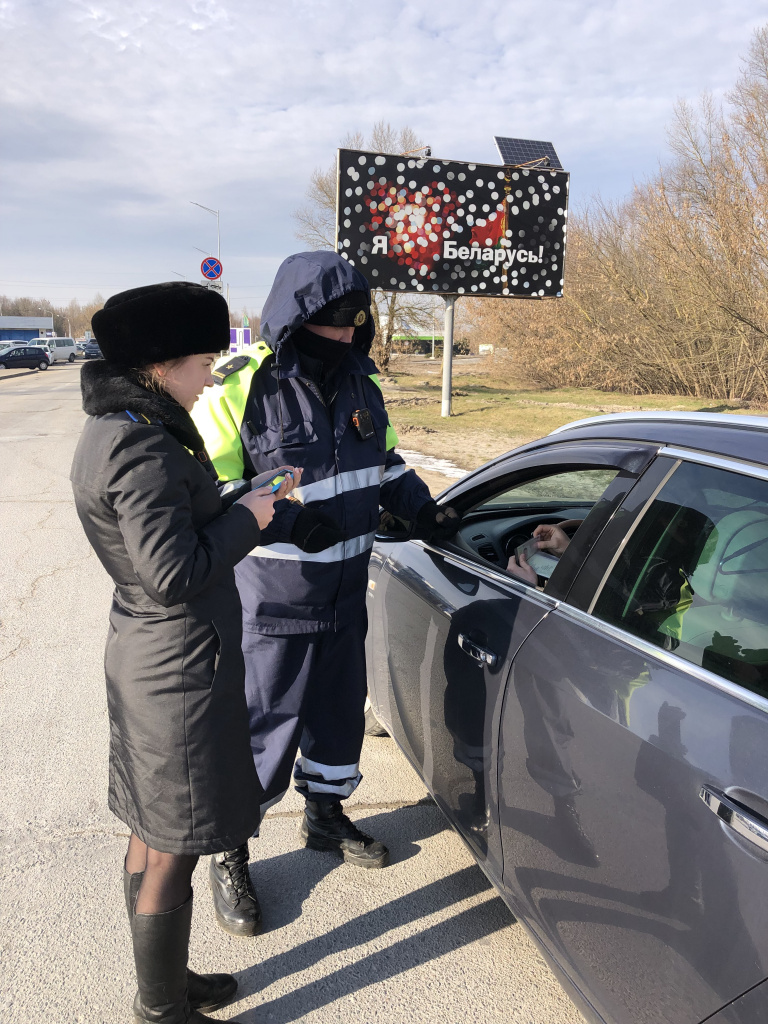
x=307, y=691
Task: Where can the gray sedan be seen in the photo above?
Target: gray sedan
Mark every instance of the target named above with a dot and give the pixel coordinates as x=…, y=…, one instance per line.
x=598, y=732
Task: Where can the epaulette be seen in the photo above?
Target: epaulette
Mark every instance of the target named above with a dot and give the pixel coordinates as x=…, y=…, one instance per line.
x=221, y=373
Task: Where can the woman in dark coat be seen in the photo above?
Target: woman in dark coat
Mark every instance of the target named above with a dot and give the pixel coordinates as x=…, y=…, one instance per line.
x=181, y=772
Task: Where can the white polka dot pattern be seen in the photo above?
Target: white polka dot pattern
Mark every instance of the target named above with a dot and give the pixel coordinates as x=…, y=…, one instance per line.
x=427, y=225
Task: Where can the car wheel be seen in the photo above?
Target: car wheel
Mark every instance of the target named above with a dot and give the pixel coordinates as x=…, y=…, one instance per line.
x=373, y=726
x=71, y=357
x=43, y=364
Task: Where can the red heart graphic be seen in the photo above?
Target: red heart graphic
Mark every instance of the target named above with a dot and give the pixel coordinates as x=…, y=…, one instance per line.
x=413, y=220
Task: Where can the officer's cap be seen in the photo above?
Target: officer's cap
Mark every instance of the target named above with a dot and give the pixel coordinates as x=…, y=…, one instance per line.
x=351, y=310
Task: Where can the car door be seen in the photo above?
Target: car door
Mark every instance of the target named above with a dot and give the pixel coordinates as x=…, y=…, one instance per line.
x=447, y=622
x=633, y=772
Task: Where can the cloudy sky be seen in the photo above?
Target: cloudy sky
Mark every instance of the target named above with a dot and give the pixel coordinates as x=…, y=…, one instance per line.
x=114, y=114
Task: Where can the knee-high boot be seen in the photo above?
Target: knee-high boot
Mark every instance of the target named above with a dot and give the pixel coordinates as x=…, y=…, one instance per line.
x=205, y=992
x=160, y=950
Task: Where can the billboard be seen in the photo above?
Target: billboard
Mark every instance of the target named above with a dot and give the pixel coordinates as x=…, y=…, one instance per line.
x=452, y=228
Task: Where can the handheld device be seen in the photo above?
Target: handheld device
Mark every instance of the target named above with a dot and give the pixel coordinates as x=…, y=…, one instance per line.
x=272, y=478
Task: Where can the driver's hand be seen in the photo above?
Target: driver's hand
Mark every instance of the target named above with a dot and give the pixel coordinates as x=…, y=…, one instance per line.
x=551, y=538
x=523, y=571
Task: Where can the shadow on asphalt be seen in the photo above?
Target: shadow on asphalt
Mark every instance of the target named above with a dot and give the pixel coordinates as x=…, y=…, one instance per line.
x=295, y=875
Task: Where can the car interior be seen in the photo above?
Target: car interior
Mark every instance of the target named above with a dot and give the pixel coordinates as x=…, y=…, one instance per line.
x=497, y=527
x=694, y=581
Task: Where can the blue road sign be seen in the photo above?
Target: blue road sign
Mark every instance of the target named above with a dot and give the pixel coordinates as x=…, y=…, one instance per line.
x=211, y=268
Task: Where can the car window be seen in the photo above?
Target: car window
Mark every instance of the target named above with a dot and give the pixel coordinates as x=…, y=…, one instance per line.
x=693, y=577
x=578, y=485
x=563, y=496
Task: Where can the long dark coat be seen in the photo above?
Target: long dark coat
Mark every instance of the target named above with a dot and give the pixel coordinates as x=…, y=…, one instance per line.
x=181, y=773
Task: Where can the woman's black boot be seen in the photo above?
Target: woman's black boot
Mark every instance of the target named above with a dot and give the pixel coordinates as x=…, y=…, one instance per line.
x=160, y=951
x=206, y=992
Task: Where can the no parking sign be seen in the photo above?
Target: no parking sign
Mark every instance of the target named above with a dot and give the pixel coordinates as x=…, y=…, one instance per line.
x=211, y=268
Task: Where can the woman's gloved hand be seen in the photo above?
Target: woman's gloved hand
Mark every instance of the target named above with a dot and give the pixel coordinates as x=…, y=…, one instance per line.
x=438, y=523
x=315, y=531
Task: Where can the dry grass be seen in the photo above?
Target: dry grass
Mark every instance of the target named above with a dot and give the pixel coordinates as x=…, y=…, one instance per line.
x=491, y=415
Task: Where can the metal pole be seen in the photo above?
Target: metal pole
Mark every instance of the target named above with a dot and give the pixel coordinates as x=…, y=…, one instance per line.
x=450, y=302
x=434, y=301
x=218, y=236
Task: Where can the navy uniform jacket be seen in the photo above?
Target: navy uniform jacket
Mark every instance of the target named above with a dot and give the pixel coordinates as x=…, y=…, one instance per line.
x=265, y=413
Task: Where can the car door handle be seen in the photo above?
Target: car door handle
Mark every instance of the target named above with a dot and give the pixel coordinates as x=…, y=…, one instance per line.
x=474, y=650
x=736, y=816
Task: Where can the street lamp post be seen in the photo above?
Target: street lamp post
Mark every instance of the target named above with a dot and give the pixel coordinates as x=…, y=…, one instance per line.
x=216, y=215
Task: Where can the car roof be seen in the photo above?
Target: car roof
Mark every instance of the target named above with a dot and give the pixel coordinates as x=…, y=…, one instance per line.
x=740, y=437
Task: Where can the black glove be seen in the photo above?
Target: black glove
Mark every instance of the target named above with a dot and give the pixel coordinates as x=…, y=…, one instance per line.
x=437, y=523
x=315, y=531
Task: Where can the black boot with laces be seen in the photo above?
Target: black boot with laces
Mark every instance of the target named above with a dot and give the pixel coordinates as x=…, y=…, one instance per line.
x=234, y=897
x=326, y=827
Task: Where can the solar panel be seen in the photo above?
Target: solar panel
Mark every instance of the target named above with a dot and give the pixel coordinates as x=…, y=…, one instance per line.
x=514, y=152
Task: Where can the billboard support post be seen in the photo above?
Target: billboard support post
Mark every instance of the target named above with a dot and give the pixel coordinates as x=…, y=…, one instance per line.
x=450, y=302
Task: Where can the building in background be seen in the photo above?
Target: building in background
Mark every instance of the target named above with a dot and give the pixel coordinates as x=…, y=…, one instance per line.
x=25, y=329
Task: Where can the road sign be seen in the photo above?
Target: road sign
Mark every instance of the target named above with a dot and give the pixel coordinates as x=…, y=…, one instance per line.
x=211, y=268
x=446, y=227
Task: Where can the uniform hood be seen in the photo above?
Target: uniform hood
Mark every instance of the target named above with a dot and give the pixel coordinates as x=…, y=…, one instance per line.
x=304, y=283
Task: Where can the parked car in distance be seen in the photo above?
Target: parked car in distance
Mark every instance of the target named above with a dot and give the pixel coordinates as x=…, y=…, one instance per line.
x=27, y=356
x=63, y=349
x=38, y=343
x=600, y=739
x=92, y=350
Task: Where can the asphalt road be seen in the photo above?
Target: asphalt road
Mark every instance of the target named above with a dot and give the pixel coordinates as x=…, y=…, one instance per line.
x=425, y=940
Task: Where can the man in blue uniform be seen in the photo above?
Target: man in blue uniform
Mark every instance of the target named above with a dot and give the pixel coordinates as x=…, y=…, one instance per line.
x=308, y=395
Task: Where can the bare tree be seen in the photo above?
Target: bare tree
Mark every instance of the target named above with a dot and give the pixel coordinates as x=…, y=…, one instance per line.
x=668, y=290
x=393, y=313
x=74, y=318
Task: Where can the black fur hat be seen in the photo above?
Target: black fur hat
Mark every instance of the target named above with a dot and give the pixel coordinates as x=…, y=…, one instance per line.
x=161, y=321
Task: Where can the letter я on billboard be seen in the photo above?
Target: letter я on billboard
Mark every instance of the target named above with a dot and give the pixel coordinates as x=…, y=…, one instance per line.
x=440, y=226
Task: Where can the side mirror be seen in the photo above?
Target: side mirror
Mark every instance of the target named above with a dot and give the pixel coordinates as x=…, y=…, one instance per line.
x=393, y=529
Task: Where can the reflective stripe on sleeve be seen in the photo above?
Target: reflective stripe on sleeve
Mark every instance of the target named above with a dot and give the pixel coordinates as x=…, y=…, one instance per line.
x=394, y=472
x=336, y=553
x=231, y=485
x=352, y=480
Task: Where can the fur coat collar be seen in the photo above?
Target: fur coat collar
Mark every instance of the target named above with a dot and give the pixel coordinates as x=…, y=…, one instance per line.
x=109, y=388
